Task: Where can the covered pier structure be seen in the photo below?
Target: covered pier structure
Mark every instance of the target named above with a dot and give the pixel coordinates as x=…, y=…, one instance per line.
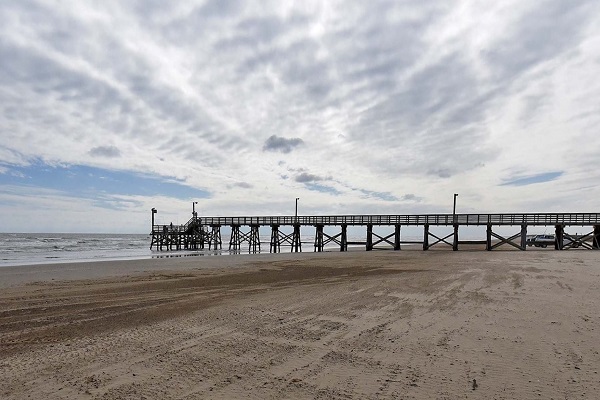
x=202, y=232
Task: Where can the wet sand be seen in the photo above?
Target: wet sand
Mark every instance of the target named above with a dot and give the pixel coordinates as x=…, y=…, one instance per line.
x=361, y=325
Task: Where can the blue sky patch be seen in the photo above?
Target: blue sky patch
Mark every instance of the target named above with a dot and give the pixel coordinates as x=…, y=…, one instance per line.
x=322, y=188
x=385, y=196
x=89, y=182
x=532, y=179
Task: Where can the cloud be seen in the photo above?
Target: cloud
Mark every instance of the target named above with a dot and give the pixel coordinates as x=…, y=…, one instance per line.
x=411, y=197
x=105, y=151
x=442, y=173
x=243, y=185
x=541, y=33
x=408, y=101
x=305, y=177
x=281, y=144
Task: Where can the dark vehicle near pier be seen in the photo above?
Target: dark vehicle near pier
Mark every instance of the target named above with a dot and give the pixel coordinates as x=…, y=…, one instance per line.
x=542, y=241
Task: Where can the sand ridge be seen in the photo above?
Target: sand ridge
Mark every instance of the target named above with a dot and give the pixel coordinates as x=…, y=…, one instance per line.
x=435, y=325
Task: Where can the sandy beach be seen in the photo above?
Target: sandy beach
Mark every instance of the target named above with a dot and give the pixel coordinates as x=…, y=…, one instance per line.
x=358, y=325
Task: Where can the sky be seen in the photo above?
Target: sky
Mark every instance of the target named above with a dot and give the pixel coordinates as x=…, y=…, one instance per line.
x=111, y=108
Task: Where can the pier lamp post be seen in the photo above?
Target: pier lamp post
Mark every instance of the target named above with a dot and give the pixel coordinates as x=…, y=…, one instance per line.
x=153, y=212
x=194, y=209
x=454, y=208
x=296, y=215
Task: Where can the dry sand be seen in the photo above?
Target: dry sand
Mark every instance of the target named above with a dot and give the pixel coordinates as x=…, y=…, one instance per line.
x=361, y=325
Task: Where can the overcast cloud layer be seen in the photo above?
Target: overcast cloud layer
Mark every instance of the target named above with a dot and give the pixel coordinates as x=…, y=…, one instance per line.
x=354, y=107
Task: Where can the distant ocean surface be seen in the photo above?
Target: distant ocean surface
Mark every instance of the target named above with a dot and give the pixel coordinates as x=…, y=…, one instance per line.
x=50, y=248
x=42, y=248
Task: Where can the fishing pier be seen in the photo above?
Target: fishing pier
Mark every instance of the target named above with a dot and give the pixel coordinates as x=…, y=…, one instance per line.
x=205, y=232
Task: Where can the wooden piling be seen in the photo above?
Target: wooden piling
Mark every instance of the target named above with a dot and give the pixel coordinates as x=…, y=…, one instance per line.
x=559, y=233
x=369, y=237
x=318, y=238
x=344, y=238
x=523, y=237
x=296, y=240
x=455, y=242
x=397, y=237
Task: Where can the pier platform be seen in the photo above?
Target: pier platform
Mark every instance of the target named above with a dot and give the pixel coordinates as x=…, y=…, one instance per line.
x=205, y=232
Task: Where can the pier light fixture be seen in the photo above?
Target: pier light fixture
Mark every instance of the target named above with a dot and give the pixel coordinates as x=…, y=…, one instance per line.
x=454, y=208
x=296, y=215
x=194, y=208
x=153, y=212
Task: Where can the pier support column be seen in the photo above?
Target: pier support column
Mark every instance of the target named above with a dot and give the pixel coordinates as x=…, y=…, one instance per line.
x=163, y=237
x=426, y=238
x=154, y=240
x=559, y=237
x=397, y=238
x=319, y=238
x=596, y=241
x=523, y=237
x=455, y=242
x=488, y=242
x=254, y=239
x=171, y=238
x=296, y=242
x=369, y=237
x=235, y=242
x=344, y=238
x=202, y=237
x=275, y=246
x=216, y=238
x=194, y=237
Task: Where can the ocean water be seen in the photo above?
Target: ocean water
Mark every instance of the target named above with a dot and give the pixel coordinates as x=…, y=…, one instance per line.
x=51, y=248
x=42, y=248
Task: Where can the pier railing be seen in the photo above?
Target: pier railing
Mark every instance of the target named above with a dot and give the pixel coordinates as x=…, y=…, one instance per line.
x=531, y=219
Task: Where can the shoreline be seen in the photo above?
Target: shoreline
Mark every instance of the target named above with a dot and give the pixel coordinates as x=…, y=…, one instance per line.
x=81, y=270
x=11, y=275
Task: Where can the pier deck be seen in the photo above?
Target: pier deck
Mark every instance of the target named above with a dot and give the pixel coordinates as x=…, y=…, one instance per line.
x=200, y=232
